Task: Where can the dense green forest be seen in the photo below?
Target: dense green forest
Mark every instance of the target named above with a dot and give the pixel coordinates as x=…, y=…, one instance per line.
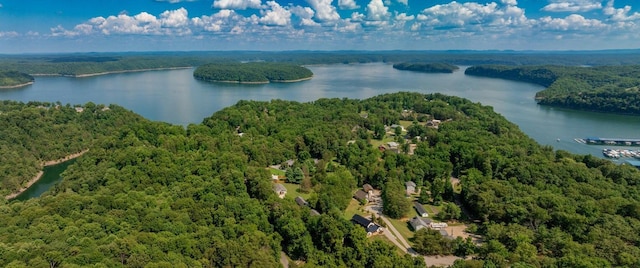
x=614, y=89
x=77, y=64
x=156, y=195
x=252, y=72
x=35, y=132
x=13, y=78
x=436, y=67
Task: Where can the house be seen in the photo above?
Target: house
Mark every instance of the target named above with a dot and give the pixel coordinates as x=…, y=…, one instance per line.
x=420, y=209
x=314, y=212
x=274, y=177
x=433, y=123
x=290, y=162
x=411, y=187
x=361, y=196
x=367, y=188
x=79, y=109
x=370, y=226
x=280, y=190
x=418, y=223
x=301, y=202
x=393, y=145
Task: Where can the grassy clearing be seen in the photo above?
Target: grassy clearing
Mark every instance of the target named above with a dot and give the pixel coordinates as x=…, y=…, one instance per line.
x=275, y=171
x=403, y=228
x=292, y=191
x=353, y=208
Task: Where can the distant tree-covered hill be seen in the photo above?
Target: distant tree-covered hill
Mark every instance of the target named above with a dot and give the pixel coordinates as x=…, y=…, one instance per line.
x=436, y=67
x=13, y=78
x=252, y=72
x=614, y=89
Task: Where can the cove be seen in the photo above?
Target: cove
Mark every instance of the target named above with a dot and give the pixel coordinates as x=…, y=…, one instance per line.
x=50, y=177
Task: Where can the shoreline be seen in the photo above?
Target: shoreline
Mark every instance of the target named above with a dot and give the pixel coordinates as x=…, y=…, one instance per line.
x=17, y=86
x=38, y=176
x=258, y=82
x=115, y=72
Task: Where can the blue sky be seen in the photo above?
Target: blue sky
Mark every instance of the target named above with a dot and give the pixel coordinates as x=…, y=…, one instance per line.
x=31, y=26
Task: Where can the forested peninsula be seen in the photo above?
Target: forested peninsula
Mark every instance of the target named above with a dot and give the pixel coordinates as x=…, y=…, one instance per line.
x=34, y=133
x=437, y=67
x=611, y=89
x=13, y=79
x=150, y=194
x=252, y=72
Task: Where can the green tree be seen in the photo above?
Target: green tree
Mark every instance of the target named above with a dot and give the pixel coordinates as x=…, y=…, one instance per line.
x=395, y=204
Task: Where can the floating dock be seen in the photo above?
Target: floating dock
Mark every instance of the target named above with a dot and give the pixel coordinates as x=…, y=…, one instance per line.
x=609, y=141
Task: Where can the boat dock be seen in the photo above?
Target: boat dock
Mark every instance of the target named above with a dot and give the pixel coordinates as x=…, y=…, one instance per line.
x=609, y=141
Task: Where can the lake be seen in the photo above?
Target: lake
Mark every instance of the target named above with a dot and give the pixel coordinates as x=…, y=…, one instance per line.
x=174, y=96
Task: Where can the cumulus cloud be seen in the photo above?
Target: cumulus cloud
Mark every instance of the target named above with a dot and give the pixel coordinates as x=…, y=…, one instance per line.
x=170, y=22
x=276, y=15
x=620, y=14
x=357, y=16
x=325, y=11
x=219, y=21
x=305, y=14
x=377, y=11
x=573, y=22
x=404, y=2
x=348, y=4
x=454, y=15
x=404, y=17
x=572, y=6
x=510, y=2
x=237, y=4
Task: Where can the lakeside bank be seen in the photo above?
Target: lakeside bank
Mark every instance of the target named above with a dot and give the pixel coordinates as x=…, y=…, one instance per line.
x=39, y=175
x=17, y=86
x=115, y=72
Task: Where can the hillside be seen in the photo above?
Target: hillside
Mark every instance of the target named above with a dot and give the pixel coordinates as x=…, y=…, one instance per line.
x=153, y=194
x=611, y=89
x=10, y=79
x=252, y=72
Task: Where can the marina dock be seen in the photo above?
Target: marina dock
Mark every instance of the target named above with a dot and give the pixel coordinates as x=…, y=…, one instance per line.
x=609, y=141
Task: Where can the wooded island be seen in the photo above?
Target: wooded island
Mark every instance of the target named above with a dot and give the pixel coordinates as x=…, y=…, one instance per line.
x=252, y=72
x=426, y=67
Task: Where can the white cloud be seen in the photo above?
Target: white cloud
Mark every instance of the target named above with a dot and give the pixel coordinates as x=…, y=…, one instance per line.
x=219, y=21
x=572, y=6
x=573, y=22
x=509, y=2
x=348, y=4
x=357, y=16
x=620, y=14
x=237, y=4
x=377, y=11
x=175, y=18
x=305, y=14
x=9, y=34
x=170, y=22
x=404, y=2
x=456, y=15
x=276, y=15
x=325, y=11
x=404, y=17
